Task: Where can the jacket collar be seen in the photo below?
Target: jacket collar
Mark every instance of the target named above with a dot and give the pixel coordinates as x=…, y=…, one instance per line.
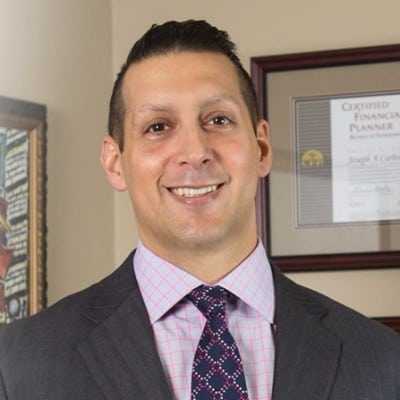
x=120, y=351
x=307, y=353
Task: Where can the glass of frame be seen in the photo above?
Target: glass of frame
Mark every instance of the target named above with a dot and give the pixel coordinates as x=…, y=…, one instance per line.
x=22, y=208
x=332, y=200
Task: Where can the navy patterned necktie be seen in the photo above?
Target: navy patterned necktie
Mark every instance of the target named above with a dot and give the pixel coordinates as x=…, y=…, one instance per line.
x=217, y=372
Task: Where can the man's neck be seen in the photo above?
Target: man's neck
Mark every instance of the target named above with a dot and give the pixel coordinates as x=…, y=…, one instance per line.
x=209, y=263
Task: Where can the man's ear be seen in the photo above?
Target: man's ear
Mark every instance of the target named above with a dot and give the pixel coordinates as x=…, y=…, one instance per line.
x=111, y=160
x=265, y=150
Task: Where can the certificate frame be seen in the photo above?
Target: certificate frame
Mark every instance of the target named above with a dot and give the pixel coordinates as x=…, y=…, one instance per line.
x=297, y=72
x=22, y=208
x=391, y=322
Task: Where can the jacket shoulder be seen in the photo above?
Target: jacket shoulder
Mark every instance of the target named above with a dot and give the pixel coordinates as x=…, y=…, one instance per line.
x=66, y=321
x=339, y=318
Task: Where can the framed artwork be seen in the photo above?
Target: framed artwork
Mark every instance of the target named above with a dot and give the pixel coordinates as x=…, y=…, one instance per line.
x=22, y=208
x=332, y=200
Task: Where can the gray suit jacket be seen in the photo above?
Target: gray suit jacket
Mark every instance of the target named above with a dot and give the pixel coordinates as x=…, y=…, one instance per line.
x=98, y=345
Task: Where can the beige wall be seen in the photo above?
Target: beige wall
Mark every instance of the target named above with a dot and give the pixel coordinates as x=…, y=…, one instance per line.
x=271, y=27
x=58, y=53
x=65, y=54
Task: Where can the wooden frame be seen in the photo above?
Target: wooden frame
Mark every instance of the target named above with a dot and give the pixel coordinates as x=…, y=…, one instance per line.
x=22, y=208
x=391, y=322
x=263, y=70
x=333, y=73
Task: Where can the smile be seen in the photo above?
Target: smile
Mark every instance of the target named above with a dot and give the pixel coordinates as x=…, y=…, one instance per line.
x=194, y=192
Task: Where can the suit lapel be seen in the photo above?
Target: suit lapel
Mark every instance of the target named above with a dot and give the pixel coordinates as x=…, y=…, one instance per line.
x=307, y=353
x=120, y=351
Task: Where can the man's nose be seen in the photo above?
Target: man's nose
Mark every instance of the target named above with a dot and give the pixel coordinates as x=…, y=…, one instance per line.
x=194, y=147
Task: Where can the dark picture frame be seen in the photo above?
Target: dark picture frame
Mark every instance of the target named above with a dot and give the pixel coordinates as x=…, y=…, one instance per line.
x=319, y=74
x=391, y=322
x=22, y=208
x=265, y=69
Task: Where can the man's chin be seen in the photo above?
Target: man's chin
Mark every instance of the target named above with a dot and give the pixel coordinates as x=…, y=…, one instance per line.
x=198, y=238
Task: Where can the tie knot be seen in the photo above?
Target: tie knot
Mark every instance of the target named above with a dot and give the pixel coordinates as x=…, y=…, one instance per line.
x=210, y=300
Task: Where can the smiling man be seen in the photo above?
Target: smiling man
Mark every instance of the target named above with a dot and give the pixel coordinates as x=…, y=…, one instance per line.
x=196, y=311
x=190, y=160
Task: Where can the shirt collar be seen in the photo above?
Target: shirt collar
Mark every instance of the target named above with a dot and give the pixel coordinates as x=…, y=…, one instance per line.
x=163, y=285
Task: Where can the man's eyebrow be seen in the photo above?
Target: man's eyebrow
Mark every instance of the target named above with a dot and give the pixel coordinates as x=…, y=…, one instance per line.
x=155, y=107
x=223, y=98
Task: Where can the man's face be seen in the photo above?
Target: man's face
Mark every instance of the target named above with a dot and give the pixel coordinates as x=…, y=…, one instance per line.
x=191, y=158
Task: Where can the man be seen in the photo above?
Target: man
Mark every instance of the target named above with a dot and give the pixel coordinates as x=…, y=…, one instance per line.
x=187, y=143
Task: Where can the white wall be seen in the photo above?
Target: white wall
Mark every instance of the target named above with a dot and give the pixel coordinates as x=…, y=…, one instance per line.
x=58, y=53
x=261, y=28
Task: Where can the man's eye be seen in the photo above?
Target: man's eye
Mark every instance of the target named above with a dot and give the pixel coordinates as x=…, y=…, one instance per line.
x=220, y=120
x=157, y=127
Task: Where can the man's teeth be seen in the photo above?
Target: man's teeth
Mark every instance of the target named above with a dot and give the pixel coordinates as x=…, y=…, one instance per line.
x=193, y=192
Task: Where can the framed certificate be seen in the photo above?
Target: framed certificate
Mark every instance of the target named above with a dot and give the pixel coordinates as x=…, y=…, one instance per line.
x=332, y=200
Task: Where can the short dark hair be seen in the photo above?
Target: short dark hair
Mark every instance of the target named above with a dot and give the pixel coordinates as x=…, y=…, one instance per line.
x=176, y=36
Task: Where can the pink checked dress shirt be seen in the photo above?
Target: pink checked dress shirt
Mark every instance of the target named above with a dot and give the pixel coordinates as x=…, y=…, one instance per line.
x=178, y=324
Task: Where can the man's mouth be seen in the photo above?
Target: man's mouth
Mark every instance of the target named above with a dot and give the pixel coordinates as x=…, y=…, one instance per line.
x=194, y=192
